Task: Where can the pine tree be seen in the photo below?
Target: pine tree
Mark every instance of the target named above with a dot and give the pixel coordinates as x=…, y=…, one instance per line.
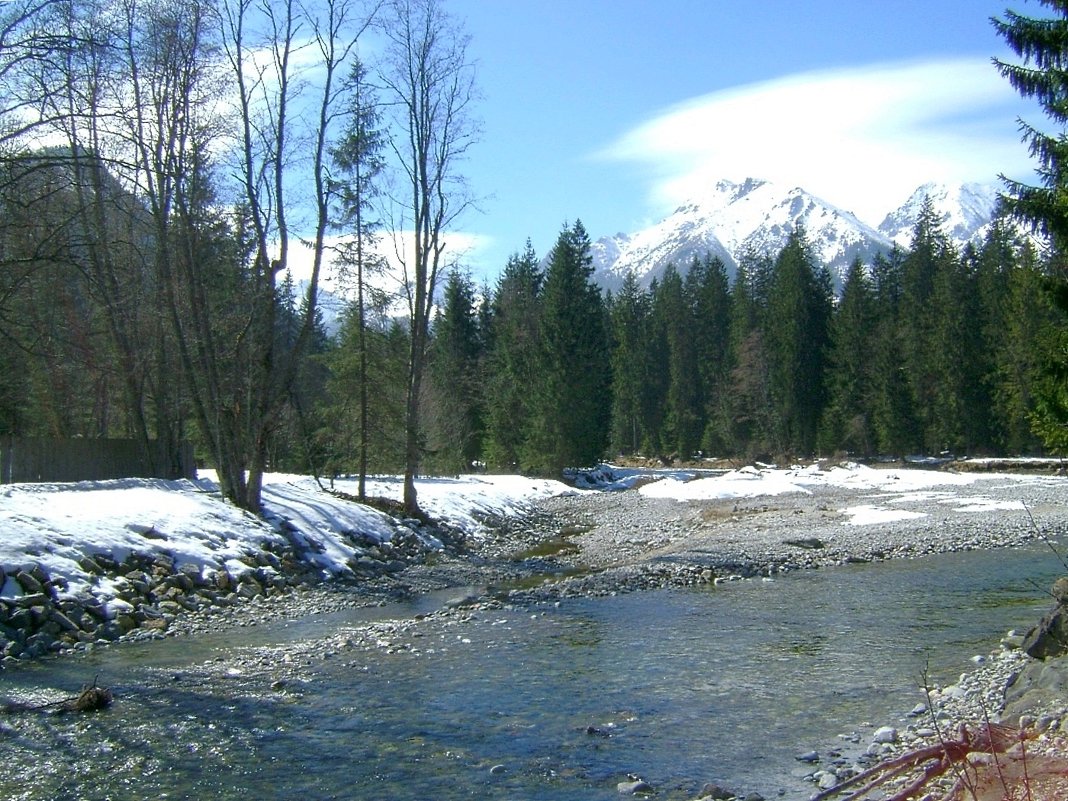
x=574, y=406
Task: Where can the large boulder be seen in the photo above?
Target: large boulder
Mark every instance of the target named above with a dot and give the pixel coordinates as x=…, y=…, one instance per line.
x=1040, y=686
x=1050, y=637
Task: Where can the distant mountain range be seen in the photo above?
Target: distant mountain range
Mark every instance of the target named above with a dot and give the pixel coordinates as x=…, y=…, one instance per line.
x=757, y=217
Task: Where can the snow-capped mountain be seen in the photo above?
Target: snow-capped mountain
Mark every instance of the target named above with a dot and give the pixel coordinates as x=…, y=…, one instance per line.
x=966, y=211
x=758, y=216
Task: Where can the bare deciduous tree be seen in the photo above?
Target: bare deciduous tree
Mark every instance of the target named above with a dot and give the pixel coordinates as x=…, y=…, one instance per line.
x=429, y=87
x=278, y=54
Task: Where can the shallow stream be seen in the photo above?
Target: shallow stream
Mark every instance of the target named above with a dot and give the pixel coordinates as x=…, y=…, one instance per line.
x=679, y=687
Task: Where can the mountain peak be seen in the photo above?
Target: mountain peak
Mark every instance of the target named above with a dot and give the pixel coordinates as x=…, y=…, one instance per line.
x=964, y=211
x=757, y=216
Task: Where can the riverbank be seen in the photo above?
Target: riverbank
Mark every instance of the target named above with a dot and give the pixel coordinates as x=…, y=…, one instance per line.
x=678, y=531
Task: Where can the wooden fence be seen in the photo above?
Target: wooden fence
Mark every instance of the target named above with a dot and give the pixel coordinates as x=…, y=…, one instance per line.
x=37, y=460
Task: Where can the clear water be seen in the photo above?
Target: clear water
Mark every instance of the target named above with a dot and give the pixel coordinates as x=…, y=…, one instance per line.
x=726, y=684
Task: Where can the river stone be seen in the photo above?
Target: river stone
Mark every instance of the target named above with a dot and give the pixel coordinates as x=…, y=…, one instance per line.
x=886, y=734
x=825, y=779
x=1060, y=590
x=713, y=791
x=30, y=584
x=63, y=621
x=634, y=786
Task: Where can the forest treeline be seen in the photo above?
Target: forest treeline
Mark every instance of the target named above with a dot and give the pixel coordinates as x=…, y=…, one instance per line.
x=926, y=350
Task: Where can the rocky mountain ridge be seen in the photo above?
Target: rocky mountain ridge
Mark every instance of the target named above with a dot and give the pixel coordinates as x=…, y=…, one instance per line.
x=756, y=217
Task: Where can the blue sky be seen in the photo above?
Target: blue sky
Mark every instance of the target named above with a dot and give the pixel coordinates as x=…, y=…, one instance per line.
x=616, y=111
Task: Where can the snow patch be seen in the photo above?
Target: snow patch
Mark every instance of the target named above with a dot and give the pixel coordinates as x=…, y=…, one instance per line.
x=873, y=515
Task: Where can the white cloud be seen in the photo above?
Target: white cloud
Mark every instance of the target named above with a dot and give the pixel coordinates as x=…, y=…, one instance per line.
x=863, y=138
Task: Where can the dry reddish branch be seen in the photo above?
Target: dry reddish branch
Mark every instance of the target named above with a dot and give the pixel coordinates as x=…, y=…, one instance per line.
x=1000, y=774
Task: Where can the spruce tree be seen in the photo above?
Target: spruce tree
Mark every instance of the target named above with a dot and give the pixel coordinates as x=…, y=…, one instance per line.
x=456, y=416
x=1042, y=43
x=893, y=417
x=629, y=314
x=513, y=361
x=751, y=422
x=1011, y=314
x=848, y=419
x=358, y=157
x=657, y=439
x=953, y=359
x=684, y=421
x=574, y=406
x=925, y=268
x=708, y=292
x=799, y=307
x=1023, y=331
x=342, y=442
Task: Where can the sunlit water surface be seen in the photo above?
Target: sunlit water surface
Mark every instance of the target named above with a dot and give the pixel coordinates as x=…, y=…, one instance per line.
x=681, y=687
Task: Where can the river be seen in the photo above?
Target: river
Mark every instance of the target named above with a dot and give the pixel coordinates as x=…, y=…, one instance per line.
x=726, y=684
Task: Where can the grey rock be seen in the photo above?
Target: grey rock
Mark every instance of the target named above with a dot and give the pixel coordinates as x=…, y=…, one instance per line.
x=885, y=734
x=29, y=583
x=1039, y=685
x=715, y=792
x=1050, y=637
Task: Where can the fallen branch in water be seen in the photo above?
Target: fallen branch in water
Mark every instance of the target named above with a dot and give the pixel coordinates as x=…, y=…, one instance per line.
x=92, y=698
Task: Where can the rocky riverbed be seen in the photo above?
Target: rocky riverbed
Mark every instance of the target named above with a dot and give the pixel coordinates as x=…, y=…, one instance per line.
x=595, y=543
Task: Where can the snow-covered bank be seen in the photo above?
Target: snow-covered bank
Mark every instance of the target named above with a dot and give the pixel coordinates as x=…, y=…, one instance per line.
x=95, y=560
x=57, y=525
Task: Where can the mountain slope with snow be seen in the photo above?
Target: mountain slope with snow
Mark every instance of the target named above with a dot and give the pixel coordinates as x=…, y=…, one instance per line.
x=965, y=209
x=756, y=217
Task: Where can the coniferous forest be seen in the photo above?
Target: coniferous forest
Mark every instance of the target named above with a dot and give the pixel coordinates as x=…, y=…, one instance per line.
x=145, y=289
